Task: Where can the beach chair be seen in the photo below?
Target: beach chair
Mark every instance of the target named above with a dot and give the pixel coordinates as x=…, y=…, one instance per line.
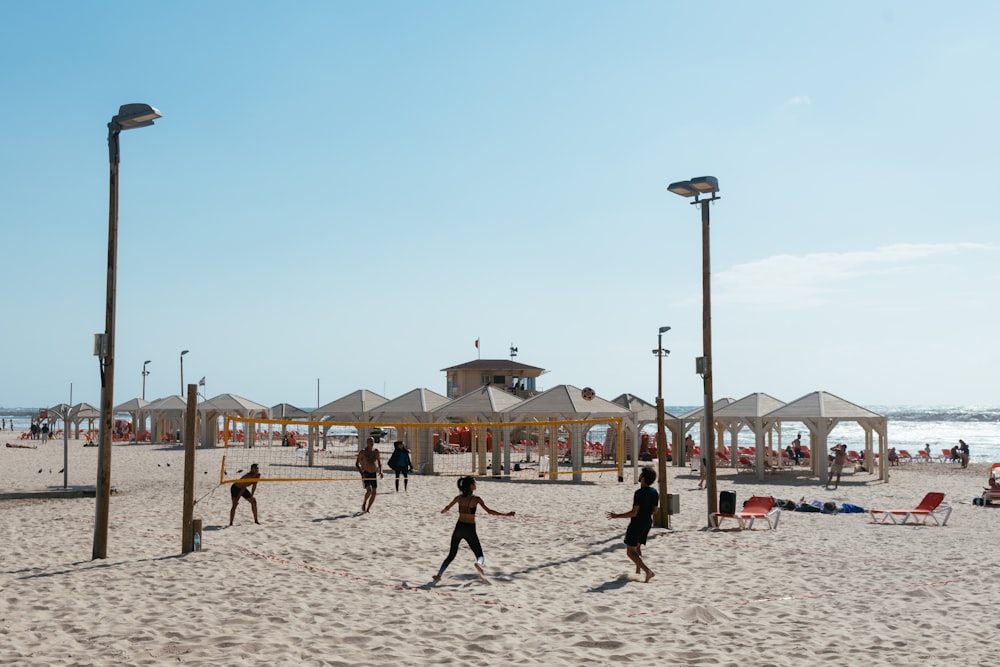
x=929, y=508
x=992, y=494
x=905, y=456
x=758, y=507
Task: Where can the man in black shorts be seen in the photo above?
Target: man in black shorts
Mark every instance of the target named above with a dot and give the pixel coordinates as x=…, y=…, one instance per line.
x=644, y=503
x=369, y=464
x=240, y=490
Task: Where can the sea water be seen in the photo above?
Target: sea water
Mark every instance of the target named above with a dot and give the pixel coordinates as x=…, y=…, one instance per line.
x=909, y=428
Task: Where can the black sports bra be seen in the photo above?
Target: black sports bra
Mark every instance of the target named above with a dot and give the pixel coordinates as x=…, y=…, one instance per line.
x=467, y=508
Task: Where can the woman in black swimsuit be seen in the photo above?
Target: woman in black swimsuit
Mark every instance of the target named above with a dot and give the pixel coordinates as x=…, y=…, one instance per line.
x=465, y=529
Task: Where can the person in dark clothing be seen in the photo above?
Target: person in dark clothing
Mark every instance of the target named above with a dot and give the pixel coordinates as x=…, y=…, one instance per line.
x=465, y=529
x=399, y=461
x=644, y=503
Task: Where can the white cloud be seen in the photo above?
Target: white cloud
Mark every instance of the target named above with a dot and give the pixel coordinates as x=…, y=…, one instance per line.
x=792, y=281
x=798, y=100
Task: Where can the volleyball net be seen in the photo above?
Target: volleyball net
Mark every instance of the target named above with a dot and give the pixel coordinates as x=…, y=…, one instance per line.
x=326, y=451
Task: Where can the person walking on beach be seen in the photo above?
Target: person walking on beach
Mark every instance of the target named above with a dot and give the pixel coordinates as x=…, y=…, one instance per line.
x=963, y=453
x=240, y=490
x=837, y=466
x=465, y=528
x=369, y=464
x=644, y=502
x=797, y=448
x=400, y=462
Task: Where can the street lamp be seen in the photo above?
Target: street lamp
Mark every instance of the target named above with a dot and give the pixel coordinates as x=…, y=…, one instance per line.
x=129, y=116
x=144, y=374
x=661, y=431
x=705, y=190
x=183, y=352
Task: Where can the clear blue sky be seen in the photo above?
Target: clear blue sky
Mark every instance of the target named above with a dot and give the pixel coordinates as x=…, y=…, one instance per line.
x=356, y=191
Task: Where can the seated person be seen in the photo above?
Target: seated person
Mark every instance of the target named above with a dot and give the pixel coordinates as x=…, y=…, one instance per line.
x=893, y=457
x=994, y=484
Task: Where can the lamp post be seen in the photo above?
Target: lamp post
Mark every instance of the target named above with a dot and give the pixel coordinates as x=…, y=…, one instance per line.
x=129, y=116
x=661, y=431
x=183, y=352
x=705, y=190
x=144, y=374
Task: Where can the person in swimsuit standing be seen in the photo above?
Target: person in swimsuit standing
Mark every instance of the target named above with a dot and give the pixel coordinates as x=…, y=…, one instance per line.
x=239, y=490
x=465, y=529
x=644, y=503
x=369, y=464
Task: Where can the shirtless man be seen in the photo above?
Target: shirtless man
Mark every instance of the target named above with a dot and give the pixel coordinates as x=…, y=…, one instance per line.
x=239, y=490
x=369, y=463
x=837, y=467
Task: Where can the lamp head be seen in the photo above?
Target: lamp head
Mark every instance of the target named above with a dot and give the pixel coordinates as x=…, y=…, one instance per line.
x=183, y=352
x=683, y=188
x=664, y=329
x=131, y=116
x=705, y=184
x=146, y=362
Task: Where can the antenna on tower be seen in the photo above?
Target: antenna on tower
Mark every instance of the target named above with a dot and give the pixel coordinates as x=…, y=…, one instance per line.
x=513, y=351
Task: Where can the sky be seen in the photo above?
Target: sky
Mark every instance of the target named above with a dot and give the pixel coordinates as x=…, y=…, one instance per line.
x=347, y=195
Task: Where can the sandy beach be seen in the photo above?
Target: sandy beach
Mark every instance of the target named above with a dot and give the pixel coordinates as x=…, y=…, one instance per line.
x=318, y=583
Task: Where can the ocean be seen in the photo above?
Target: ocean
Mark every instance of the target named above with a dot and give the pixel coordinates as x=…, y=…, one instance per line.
x=910, y=428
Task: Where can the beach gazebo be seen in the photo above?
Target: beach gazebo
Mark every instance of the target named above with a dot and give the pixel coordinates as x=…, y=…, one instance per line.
x=750, y=412
x=490, y=403
x=166, y=417
x=228, y=405
x=136, y=410
x=354, y=407
x=566, y=402
x=697, y=416
x=413, y=407
x=644, y=413
x=821, y=412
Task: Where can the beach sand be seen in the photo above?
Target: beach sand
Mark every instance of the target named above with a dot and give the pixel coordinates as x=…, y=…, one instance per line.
x=318, y=583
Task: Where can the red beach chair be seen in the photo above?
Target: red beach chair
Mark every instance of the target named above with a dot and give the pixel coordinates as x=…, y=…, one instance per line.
x=758, y=507
x=929, y=508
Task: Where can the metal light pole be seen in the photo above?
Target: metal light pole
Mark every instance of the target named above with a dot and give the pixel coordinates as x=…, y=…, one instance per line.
x=698, y=188
x=130, y=116
x=183, y=352
x=144, y=374
x=661, y=431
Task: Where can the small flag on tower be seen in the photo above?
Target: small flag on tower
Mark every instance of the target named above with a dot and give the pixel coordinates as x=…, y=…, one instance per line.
x=477, y=343
x=201, y=382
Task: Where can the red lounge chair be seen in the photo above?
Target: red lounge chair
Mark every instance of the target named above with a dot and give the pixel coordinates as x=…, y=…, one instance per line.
x=929, y=508
x=758, y=507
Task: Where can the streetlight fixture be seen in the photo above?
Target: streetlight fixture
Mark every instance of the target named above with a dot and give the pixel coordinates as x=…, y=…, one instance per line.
x=661, y=431
x=144, y=374
x=705, y=189
x=129, y=116
x=183, y=352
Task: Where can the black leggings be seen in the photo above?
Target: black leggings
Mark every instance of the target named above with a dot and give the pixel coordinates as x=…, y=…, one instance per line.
x=467, y=532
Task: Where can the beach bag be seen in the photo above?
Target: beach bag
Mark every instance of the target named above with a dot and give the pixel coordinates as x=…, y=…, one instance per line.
x=848, y=508
x=394, y=461
x=727, y=502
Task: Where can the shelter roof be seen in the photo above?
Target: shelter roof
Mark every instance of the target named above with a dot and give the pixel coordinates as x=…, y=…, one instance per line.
x=356, y=402
x=231, y=403
x=132, y=405
x=61, y=410
x=493, y=365
x=489, y=400
x=84, y=411
x=644, y=411
x=821, y=404
x=287, y=411
x=567, y=399
x=699, y=413
x=167, y=403
x=413, y=402
x=754, y=405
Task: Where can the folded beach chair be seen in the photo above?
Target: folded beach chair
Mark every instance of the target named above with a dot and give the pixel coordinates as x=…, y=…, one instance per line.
x=758, y=507
x=929, y=508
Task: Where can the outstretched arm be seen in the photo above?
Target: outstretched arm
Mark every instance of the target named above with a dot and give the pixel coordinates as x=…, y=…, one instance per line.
x=494, y=513
x=624, y=515
x=449, y=505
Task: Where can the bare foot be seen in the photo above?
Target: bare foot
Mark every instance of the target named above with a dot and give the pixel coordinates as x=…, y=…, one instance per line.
x=436, y=577
x=649, y=576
